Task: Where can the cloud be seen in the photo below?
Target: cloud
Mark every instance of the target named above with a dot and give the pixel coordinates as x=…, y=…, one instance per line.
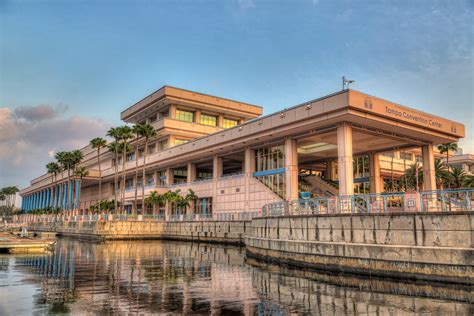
x=39, y=112
x=30, y=135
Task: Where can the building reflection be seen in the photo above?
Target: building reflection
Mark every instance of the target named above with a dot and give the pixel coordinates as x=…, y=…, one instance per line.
x=186, y=278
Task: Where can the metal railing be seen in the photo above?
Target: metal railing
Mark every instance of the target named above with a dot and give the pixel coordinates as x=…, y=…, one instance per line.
x=430, y=201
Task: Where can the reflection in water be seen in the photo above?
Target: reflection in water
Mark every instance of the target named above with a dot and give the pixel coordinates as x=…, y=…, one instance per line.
x=159, y=277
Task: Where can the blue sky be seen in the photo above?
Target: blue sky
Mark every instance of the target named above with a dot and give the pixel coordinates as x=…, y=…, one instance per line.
x=74, y=65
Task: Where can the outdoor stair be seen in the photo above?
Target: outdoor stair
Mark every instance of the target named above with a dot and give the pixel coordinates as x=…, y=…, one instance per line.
x=321, y=187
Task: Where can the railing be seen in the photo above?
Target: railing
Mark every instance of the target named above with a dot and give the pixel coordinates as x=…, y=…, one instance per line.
x=432, y=201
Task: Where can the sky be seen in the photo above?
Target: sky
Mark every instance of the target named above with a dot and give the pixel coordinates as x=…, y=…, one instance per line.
x=68, y=68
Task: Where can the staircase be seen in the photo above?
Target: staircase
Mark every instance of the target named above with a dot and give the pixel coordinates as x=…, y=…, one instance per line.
x=320, y=187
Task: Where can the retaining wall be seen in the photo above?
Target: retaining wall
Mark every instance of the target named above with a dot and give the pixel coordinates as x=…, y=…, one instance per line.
x=436, y=247
x=231, y=232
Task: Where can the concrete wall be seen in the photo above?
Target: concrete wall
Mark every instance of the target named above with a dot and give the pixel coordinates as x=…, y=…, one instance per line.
x=207, y=231
x=427, y=246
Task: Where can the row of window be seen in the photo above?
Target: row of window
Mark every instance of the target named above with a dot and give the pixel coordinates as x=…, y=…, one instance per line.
x=206, y=119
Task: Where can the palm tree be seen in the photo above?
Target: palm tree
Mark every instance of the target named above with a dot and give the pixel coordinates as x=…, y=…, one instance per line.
x=457, y=177
x=137, y=131
x=412, y=181
x=114, y=132
x=99, y=143
x=469, y=181
x=76, y=158
x=64, y=159
x=53, y=168
x=154, y=199
x=125, y=133
x=445, y=149
x=148, y=132
x=80, y=172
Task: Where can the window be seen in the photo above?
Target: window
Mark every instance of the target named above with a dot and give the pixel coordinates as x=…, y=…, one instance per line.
x=391, y=154
x=406, y=156
x=228, y=123
x=165, y=113
x=161, y=178
x=151, y=149
x=269, y=158
x=150, y=179
x=208, y=120
x=152, y=118
x=419, y=158
x=130, y=156
x=178, y=141
x=163, y=144
x=141, y=152
x=185, y=116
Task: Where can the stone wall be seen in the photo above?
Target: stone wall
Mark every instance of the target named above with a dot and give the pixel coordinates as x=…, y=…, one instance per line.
x=418, y=246
x=231, y=232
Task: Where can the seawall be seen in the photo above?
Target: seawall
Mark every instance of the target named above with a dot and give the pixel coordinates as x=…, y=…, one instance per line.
x=434, y=247
x=230, y=232
x=417, y=246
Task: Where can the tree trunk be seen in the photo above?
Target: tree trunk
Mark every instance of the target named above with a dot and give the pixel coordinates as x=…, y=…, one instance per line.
x=145, y=153
x=100, y=178
x=447, y=165
x=116, y=180
x=122, y=195
x=136, y=177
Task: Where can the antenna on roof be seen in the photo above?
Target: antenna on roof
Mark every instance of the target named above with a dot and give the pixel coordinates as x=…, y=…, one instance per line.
x=346, y=83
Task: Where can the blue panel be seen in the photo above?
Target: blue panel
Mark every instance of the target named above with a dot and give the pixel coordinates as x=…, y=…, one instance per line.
x=64, y=196
x=361, y=180
x=269, y=172
x=70, y=204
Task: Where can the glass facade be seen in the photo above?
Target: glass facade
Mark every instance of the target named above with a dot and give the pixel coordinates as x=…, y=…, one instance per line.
x=185, y=116
x=268, y=158
x=178, y=141
x=163, y=144
x=406, y=156
x=270, y=168
x=228, y=123
x=209, y=120
x=203, y=206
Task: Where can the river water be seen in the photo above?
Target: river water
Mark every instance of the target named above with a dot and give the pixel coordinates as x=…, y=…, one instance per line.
x=156, y=277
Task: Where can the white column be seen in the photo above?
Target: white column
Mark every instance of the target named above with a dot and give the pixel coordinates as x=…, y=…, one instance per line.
x=217, y=167
x=374, y=171
x=191, y=173
x=291, y=169
x=249, y=167
x=429, y=173
x=344, y=162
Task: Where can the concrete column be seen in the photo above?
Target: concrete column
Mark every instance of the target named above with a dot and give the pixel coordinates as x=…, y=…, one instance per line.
x=374, y=172
x=249, y=168
x=220, y=121
x=197, y=117
x=78, y=194
x=217, y=167
x=345, y=166
x=429, y=173
x=291, y=169
x=173, y=111
x=331, y=170
x=60, y=191
x=169, y=176
x=191, y=172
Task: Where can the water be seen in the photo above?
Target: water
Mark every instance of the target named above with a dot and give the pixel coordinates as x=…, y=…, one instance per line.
x=187, y=278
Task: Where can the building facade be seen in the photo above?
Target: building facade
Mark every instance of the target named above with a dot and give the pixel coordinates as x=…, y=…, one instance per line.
x=236, y=160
